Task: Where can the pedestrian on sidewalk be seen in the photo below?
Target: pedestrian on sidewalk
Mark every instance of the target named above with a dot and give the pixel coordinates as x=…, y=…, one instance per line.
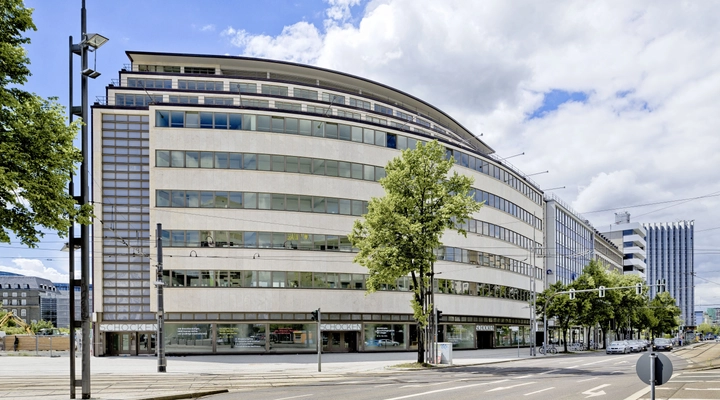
x=16, y=343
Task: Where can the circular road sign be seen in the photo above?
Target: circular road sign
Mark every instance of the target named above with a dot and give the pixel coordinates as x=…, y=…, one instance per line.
x=663, y=368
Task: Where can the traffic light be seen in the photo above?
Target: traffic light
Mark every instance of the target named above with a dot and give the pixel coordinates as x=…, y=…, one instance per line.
x=661, y=285
x=572, y=294
x=601, y=291
x=315, y=315
x=438, y=315
x=638, y=288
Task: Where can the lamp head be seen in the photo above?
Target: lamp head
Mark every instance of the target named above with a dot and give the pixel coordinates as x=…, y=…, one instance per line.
x=95, y=40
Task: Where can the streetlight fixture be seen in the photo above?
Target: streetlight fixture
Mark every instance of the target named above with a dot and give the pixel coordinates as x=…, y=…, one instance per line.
x=89, y=43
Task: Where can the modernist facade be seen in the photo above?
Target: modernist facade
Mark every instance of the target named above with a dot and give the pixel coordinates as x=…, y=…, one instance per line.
x=670, y=257
x=30, y=298
x=256, y=170
x=630, y=237
x=607, y=253
x=570, y=241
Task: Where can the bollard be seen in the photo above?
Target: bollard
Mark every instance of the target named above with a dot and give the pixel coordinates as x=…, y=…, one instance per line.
x=652, y=376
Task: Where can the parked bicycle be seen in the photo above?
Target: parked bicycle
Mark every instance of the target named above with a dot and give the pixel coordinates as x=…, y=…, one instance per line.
x=550, y=349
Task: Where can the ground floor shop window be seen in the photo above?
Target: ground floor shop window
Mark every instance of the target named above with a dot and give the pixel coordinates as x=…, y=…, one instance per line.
x=188, y=338
x=239, y=338
x=292, y=337
x=512, y=335
x=461, y=336
x=384, y=336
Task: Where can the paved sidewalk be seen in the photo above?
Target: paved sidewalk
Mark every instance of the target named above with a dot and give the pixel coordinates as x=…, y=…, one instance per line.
x=32, y=377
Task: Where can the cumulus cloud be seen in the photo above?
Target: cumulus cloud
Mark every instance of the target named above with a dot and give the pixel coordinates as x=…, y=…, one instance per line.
x=34, y=267
x=208, y=28
x=649, y=72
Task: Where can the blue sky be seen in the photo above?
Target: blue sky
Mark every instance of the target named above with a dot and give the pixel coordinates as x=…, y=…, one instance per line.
x=618, y=101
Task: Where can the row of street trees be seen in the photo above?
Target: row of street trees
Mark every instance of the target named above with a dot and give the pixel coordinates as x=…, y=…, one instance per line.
x=619, y=310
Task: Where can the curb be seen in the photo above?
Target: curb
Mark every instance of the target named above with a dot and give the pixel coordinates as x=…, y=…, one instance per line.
x=193, y=395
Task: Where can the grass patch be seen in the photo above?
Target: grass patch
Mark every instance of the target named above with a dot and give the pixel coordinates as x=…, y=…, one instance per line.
x=413, y=365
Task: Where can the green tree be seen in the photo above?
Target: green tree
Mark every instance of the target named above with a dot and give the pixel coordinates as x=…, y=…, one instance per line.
x=666, y=312
x=42, y=324
x=36, y=144
x=559, y=306
x=628, y=306
x=591, y=309
x=401, y=231
x=705, y=328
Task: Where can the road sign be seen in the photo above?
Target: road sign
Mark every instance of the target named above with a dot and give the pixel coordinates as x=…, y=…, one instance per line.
x=663, y=368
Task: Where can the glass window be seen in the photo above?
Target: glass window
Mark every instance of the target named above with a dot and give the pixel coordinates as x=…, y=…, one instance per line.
x=368, y=136
x=264, y=201
x=291, y=164
x=263, y=123
x=178, y=198
x=357, y=207
x=331, y=168
x=162, y=158
x=304, y=165
x=221, y=160
x=331, y=131
x=263, y=162
x=291, y=203
x=250, y=122
x=318, y=128
x=278, y=124
x=380, y=138
x=278, y=163
x=344, y=206
x=344, y=132
x=278, y=201
x=344, y=169
x=192, y=199
x=162, y=119
x=235, y=121
x=192, y=120
x=319, y=204
x=318, y=167
x=264, y=240
x=357, y=134
x=221, y=199
x=333, y=206
x=235, y=200
x=305, y=127
x=379, y=173
x=206, y=120
x=291, y=125
x=192, y=159
x=206, y=159
x=177, y=119
x=176, y=159
x=249, y=161
x=221, y=121
x=162, y=198
x=368, y=172
x=235, y=160
x=305, y=203
x=249, y=239
x=207, y=199
x=357, y=171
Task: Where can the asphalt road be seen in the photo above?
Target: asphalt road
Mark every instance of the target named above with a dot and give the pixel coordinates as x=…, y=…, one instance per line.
x=594, y=375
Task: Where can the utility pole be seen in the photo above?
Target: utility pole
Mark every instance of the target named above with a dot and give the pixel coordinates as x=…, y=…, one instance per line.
x=160, y=343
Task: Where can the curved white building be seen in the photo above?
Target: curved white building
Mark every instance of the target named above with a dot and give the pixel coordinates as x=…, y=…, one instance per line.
x=256, y=170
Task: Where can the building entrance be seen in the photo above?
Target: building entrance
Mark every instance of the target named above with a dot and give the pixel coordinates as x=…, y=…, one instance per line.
x=339, y=342
x=484, y=340
x=130, y=343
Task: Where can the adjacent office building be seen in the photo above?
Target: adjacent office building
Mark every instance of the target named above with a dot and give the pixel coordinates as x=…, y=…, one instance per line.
x=570, y=240
x=256, y=170
x=630, y=237
x=30, y=298
x=670, y=257
x=607, y=253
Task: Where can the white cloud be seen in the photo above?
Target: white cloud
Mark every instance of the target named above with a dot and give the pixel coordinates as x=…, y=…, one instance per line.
x=34, y=267
x=651, y=71
x=208, y=28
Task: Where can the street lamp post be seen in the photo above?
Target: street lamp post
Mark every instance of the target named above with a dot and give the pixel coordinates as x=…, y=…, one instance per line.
x=89, y=43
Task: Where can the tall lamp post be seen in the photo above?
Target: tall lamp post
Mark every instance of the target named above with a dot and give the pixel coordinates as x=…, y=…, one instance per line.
x=89, y=43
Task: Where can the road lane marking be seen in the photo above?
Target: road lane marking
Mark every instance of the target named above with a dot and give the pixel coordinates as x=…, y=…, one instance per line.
x=595, y=362
x=585, y=380
x=574, y=366
x=538, y=391
x=387, y=384
x=702, y=388
x=640, y=393
x=295, y=397
x=524, y=376
x=510, y=387
x=446, y=390
x=549, y=372
x=594, y=391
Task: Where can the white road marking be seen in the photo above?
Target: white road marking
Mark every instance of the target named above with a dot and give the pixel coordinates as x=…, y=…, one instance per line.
x=446, y=390
x=640, y=393
x=574, y=366
x=594, y=391
x=348, y=382
x=702, y=389
x=585, y=380
x=538, y=391
x=295, y=397
x=595, y=362
x=548, y=372
x=524, y=376
x=510, y=387
x=387, y=384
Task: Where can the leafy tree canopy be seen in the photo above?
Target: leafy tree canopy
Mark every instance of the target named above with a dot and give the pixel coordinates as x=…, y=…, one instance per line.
x=36, y=144
x=401, y=230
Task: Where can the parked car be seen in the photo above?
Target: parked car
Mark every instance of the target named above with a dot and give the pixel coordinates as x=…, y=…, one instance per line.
x=662, y=344
x=387, y=342
x=637, y=346
x=618, y=346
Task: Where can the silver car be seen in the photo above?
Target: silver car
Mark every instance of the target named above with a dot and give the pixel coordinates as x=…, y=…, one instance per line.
x=618, y=346
x=637, y=346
